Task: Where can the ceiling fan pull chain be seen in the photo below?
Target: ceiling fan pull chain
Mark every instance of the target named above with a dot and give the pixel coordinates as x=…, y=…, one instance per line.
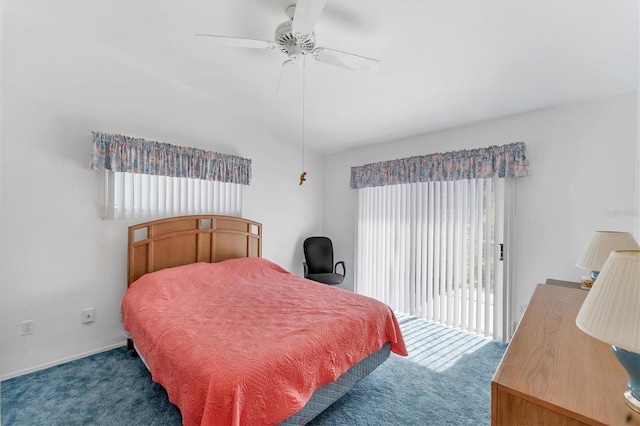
x=303, y=175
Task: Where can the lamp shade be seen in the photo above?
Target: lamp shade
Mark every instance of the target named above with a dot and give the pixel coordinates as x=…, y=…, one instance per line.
x=611, y=310
x=601, y=244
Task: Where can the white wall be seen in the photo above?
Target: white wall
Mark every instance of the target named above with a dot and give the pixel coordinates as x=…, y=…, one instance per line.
x=582, y=168
x=56, y=255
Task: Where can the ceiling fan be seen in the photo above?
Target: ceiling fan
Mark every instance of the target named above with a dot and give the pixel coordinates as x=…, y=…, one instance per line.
x=297, y=39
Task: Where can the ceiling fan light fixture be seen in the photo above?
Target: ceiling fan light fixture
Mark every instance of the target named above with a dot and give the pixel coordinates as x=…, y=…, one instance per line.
x=295, y=54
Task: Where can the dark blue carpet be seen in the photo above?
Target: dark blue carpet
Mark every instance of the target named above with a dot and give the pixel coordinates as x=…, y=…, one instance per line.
x=445, y=381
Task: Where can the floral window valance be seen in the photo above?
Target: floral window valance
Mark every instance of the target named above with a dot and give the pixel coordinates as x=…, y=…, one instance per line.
x=125, y=154
x=496, y=161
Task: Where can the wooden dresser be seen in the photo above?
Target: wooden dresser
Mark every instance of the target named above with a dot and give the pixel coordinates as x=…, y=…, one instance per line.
x=554, y=374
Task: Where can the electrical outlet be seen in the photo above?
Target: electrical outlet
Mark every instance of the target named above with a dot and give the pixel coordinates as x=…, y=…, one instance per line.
x=88, y=315
x=27, y=327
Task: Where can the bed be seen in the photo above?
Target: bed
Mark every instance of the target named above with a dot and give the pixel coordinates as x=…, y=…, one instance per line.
x=234, y=338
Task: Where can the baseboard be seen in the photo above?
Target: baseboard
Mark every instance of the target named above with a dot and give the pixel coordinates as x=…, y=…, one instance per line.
x=60, y=361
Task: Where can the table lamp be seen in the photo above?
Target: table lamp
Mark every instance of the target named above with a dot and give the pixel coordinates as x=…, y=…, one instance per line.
x=611, y=313
x=597, y=250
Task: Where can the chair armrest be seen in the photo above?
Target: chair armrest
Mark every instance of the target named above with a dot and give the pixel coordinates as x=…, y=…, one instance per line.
x=306, y=269
x=344, y=269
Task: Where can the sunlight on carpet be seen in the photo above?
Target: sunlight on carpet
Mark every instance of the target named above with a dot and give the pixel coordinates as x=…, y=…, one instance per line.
x=435, y=346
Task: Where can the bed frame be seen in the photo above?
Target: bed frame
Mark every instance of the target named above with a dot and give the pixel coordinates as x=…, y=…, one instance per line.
x=176, y=241
x=182, y=240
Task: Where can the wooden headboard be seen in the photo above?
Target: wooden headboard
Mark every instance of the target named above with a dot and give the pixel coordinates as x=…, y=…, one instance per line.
x=176, y=241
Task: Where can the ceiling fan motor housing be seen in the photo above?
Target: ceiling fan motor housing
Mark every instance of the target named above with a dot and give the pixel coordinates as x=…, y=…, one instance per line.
x=294, y=45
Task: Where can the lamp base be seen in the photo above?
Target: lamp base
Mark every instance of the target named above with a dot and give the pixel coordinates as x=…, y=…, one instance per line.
x=632, y=401
x=586, y=283
x=631, y=363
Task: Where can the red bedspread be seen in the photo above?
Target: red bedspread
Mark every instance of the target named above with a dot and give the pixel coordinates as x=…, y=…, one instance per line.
x=245, y=342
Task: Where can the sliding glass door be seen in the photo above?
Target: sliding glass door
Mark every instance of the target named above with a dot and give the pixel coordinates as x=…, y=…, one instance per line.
x=437, y=250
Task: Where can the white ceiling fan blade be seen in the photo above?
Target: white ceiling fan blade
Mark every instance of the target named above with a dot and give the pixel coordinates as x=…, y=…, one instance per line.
x=306, y=15
x=240, y=41
x=345, y=60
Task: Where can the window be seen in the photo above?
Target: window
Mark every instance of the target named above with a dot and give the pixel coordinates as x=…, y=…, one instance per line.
x=147, y=179
x=129, y=195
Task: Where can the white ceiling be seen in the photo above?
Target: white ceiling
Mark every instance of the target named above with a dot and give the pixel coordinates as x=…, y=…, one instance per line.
x=443, y=63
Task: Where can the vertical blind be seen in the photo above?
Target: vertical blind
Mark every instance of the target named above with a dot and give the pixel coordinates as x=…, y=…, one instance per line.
x=432, y=249
x=129, y=195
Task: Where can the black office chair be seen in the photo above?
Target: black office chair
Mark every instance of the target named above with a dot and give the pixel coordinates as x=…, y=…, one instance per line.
x=318, y=265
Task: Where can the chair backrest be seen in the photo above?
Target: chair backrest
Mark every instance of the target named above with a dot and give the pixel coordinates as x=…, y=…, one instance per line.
x=318, y=253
